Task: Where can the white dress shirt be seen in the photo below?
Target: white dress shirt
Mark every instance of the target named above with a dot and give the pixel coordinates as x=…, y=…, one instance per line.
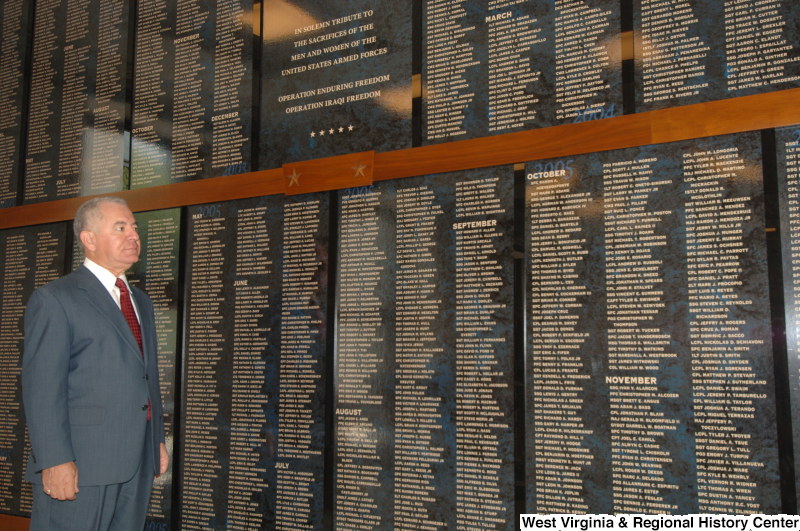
x=109, y=281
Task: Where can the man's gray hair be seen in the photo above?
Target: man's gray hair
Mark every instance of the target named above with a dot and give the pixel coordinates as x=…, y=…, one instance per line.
x=89, y=213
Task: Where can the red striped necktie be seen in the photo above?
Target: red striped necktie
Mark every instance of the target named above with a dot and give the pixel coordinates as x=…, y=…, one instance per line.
x=127, y=310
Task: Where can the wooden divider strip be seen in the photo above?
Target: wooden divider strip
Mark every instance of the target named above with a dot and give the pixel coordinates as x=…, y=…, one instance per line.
x=747, y=113
x=14, y=523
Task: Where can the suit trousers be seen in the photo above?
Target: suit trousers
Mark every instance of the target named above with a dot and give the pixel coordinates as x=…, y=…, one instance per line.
x=117, y=507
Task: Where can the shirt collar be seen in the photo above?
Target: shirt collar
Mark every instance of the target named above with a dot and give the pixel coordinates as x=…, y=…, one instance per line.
x=105, y=276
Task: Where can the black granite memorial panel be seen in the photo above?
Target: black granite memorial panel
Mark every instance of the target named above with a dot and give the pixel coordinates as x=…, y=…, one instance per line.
x=76, y=141
x=507, y=65
x=29, y=257
x=193, y=84
x=650, y=371
x=337, y=79
x=15, y=19
x=690, y=51
x=424, y=364
x=253, y=429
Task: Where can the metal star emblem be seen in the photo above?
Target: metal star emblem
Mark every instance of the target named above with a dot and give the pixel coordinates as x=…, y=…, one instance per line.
x=359, y=170
x=294, y=178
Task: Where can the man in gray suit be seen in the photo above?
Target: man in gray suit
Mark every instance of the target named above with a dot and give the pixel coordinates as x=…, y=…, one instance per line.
x=90, y=384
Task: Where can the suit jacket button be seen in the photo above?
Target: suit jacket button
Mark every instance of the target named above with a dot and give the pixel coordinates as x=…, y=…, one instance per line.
x=144, y=407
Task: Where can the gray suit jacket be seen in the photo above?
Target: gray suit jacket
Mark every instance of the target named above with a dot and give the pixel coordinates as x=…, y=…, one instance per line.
x=85, y=384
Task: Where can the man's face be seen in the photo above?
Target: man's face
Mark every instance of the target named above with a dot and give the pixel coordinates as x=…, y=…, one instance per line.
x=113, y=240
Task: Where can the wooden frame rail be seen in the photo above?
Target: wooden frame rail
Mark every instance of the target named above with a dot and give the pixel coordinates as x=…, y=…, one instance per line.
x=734, y=115
x=14, y=523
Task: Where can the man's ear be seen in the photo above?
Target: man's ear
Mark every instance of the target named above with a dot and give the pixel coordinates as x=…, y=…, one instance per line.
x=88, y=240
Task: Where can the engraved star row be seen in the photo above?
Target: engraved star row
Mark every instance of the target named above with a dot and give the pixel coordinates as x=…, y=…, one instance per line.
x=331, y=131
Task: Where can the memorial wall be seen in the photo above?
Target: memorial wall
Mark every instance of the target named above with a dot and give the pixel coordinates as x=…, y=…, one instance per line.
x=193, y=90
x=336, y=79
x=254, y=366
x=164, y=92
x=500, y=66
x=602, y=332
x=77, y=98
x=787, y=144
x=682, y=58
x=424, y=354
x=14, y=21
x=31, y=257
x=647, y=272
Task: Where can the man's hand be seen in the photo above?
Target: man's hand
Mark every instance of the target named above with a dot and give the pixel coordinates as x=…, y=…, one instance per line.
x=60, y=482
x=164, y=459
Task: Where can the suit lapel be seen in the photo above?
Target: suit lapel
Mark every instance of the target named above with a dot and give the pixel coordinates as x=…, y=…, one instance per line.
x=98, y=297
